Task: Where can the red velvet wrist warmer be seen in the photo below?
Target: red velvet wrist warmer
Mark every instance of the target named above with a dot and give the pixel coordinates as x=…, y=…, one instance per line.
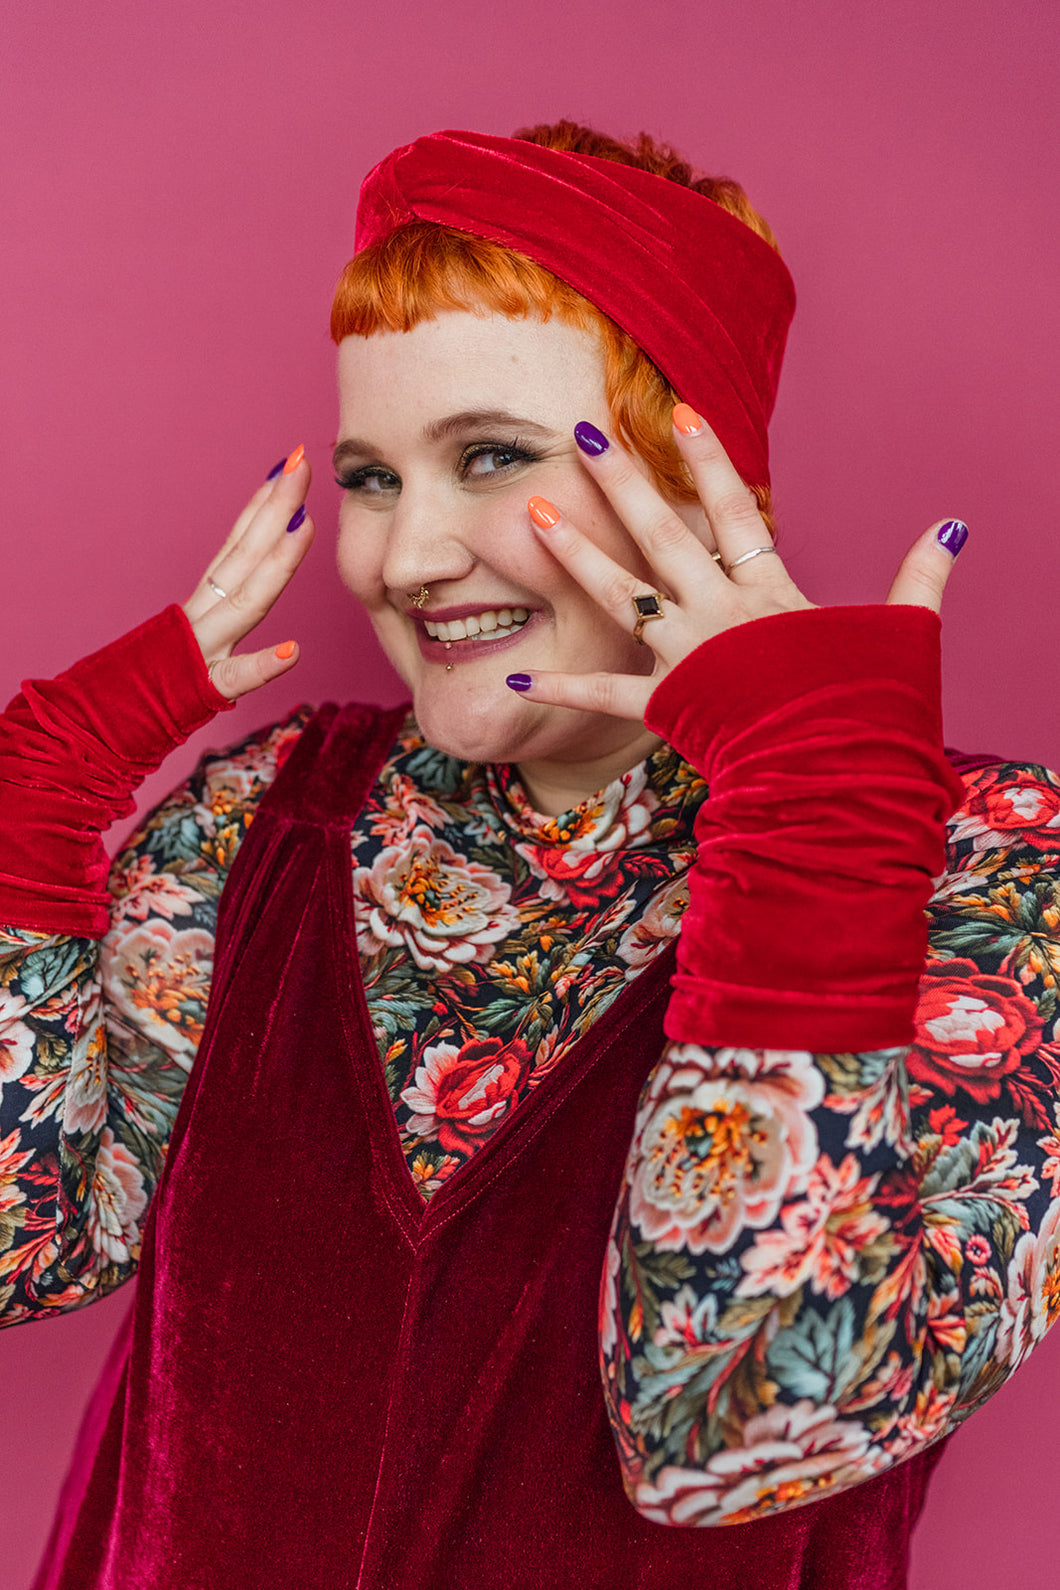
x=72, y=751
x=819, y=733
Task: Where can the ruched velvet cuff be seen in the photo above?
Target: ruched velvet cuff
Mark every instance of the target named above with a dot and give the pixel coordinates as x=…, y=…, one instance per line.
x=72, y=751
x=819, y=734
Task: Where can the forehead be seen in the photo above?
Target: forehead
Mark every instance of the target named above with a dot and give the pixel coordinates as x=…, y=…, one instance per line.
x=461, y=361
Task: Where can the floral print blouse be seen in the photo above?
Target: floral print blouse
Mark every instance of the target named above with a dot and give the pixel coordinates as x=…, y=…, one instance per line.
x=819, y=1263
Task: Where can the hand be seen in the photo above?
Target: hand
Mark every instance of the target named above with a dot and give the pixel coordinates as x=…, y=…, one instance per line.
x=255, y=564
x=703, y=597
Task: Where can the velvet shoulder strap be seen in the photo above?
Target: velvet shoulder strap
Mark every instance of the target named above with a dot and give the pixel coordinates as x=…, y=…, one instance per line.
x=970, y=761
x=330, y=771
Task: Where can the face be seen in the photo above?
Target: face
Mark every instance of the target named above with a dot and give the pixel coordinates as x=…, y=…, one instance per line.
x=445, y=433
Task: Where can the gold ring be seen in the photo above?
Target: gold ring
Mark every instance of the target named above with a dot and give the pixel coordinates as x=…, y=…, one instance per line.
x=420, y=598
x=646, y=608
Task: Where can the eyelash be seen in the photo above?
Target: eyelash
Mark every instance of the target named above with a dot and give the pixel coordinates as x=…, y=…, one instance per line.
x=515, y=451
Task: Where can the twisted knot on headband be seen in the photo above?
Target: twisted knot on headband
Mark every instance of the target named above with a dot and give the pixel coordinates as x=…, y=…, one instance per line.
x=703, y=295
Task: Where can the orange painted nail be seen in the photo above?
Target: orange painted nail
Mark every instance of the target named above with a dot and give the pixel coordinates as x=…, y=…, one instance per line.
x=686, y=420
x=543, y=513
x=295, y=459
x=285, y=651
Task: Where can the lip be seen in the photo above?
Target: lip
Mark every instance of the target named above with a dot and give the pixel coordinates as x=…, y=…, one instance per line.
x=459, y=651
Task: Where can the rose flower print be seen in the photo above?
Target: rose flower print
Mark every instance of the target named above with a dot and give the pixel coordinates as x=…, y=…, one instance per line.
x=461, y=1095
x=1014, y=804
x=973, y=1030
x=721, y=1141
x=790, y=1454
x=444, y=909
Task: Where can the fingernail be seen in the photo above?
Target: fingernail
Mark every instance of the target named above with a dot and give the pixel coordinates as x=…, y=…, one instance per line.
x=296, y=520
x=285, y=651
x=275, y=470
x=543, y=513
x=518, y=681
x=686, y=420
x=952, y=536
x=292, y=463
x=590, y=440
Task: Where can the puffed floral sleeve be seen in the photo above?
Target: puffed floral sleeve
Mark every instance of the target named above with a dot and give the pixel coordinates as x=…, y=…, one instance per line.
x=827, y=1254
x=104, y=982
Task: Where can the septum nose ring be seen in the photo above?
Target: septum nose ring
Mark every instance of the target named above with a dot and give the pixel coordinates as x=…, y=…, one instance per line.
x=420, y=597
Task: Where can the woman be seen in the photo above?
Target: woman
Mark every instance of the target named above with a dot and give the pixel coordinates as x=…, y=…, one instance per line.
x=361, y=1356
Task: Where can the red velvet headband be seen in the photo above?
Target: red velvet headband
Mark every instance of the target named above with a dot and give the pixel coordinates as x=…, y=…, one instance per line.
x=708, y=301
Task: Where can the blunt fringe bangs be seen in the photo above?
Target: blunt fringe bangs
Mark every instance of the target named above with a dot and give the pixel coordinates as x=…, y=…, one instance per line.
x=423, y=269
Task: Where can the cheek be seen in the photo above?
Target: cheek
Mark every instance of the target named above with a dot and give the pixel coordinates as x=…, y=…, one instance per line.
x=612, y=537
x=591, y=512
x=358, y=558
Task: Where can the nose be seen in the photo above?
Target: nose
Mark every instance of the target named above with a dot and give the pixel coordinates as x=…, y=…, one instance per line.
x=424, y=545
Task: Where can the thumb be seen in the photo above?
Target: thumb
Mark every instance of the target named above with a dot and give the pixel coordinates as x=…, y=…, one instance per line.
x=236, y=676
x=922, y=576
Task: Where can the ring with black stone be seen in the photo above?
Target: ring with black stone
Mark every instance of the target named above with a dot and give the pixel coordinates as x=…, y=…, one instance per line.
x=646, y=607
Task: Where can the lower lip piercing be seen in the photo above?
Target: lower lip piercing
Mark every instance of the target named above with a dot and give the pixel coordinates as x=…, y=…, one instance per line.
x=516, y=619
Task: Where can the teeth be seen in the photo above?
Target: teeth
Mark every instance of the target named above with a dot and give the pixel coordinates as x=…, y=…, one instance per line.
x=495, y=622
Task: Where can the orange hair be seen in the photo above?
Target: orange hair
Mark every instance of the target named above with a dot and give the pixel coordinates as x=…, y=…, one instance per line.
x=422, y=268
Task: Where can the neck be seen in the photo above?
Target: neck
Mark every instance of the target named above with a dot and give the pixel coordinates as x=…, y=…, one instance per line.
x=555, y=787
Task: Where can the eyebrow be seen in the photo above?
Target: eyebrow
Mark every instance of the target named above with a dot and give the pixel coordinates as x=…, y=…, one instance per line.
x=440, y=431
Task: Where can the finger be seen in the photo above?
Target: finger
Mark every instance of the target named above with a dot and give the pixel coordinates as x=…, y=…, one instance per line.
x=922, y=575
x=729, y=503
x=287, y=494
x=245, y=604
x=619, y=695
x=238, y=676
x=676, y=555
x=260, y=524
x=203, y=595
x=259, y=497
x=612, y=586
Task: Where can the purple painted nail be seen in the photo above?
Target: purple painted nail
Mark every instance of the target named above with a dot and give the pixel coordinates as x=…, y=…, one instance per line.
x=518, y=681
x=590, y=440
x=275, y=470
x=297, y=519
x=952, y=536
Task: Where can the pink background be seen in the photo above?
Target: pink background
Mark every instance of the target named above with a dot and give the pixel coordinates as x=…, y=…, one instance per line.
x=178, y=197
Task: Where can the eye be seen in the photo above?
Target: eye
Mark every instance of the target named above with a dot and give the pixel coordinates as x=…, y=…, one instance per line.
x=371, y=480
x=496, y=458
x=511, y=455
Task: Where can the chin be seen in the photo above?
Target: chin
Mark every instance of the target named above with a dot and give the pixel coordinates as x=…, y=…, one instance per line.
x=500, y=726
x=477, y=726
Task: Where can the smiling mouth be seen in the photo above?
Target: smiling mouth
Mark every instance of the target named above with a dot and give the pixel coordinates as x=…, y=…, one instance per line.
x=496, y=623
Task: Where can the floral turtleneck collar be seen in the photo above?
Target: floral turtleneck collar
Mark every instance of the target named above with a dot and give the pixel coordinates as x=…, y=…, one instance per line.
x=616, y=817
x=491, y=936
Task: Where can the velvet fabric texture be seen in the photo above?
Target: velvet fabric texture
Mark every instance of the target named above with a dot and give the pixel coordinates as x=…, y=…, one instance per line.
x=405, y=1393
x=705, y=297
x=73, y=749
x=828, y=798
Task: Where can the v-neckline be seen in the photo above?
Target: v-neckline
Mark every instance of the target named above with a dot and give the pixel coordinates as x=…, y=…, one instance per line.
x=414, y=1214
x=337, y=810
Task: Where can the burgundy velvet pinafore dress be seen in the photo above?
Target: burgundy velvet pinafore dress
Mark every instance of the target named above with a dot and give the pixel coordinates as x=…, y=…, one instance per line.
x=328, y=1382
